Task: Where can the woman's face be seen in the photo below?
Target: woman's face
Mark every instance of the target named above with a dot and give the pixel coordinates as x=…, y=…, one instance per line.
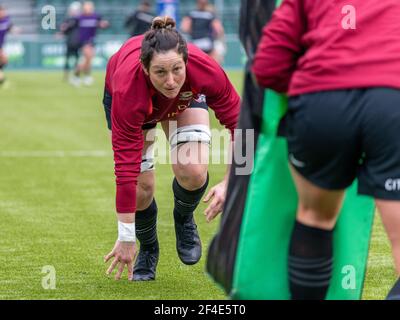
x=167, y=73
x=88, y=8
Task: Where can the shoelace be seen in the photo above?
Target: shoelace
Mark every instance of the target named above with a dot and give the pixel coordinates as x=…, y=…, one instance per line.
x=189, y=228
x=146, y=258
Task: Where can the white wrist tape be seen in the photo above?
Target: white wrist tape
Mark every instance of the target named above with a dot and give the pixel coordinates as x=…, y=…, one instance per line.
x=126, y=232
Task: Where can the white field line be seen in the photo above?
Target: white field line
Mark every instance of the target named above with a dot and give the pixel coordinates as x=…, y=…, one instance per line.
x=55, y=154
x=78, y=154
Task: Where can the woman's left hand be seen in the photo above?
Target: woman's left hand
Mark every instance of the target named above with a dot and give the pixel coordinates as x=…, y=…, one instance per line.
x=217, y=194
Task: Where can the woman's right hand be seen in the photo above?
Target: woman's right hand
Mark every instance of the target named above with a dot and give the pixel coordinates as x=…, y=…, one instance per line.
x=124, y=254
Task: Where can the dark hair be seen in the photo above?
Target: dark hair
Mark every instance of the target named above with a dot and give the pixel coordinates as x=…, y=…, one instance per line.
x=162, y=37
x=146, y=3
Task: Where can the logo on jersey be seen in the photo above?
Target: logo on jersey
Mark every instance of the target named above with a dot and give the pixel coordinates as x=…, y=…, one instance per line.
x=187, y=95
x=182, y=107
x=201, y=98
x=295, y=162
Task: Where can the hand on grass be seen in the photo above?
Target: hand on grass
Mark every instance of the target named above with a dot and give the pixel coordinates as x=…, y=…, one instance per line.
x=124, y=254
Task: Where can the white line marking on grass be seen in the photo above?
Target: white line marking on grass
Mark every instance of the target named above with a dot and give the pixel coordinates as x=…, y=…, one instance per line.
x=70, y=154
x=55, y=154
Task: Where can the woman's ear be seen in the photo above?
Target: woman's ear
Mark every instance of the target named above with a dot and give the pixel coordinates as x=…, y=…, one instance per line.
x=144, y=69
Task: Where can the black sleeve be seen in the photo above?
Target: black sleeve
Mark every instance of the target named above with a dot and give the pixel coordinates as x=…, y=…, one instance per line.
x=69, y=25
x=107, y=100
x=129, y=20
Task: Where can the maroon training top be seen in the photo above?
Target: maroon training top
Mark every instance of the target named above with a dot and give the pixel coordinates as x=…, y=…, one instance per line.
x=311, y=46
x=136, y=102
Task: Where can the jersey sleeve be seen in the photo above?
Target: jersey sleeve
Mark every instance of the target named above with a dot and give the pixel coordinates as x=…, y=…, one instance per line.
x=128, y=113
x=129, y=20
x=68, y=25
x=99, y=19
x=280, y=46
x=127, y=141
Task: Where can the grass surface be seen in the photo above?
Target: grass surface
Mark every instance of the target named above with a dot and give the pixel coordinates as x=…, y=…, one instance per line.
x=57, y=205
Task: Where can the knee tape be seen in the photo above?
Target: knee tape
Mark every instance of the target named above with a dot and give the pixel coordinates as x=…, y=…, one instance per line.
x=147, y=160
x=192, y=133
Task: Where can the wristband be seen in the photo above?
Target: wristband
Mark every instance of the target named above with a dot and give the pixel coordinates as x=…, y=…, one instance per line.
x=126, y=232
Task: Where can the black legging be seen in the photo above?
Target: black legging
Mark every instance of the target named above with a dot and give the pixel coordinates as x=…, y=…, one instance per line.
x=71, y=52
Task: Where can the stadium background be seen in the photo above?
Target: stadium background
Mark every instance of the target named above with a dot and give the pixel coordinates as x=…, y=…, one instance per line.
x=38, y=48
x=56, y=172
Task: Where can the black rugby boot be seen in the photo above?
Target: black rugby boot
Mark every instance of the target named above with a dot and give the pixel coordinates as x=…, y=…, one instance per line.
x=188, y=244
x=146, y=264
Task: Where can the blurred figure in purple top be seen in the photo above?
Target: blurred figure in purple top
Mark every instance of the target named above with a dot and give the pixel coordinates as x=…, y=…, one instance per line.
x=88, y=23
x=5, y=26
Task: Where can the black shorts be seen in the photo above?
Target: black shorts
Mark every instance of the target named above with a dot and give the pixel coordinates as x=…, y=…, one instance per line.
x=87, y=42
x=107, y=101
x=336, y=136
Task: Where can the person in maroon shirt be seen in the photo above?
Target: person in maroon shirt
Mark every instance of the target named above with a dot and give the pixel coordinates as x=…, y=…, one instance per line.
x=159, y=78
x=340, y=66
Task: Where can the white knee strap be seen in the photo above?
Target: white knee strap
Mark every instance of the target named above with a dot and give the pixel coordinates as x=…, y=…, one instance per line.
x=192, y=133
x=147, y=160
x=147, y=165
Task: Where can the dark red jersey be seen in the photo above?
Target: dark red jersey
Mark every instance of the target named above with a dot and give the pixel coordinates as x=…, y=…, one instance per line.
x=135, y=102
x=311, y=46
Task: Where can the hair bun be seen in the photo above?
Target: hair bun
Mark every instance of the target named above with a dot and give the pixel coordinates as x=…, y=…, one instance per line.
x=163, y=23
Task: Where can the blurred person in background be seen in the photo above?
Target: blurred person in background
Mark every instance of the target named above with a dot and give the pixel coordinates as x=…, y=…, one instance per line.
x=5, y=27
x=219, y=51
x=203, y=29
x=140, y=21
x=88, y=23
x=69, y=28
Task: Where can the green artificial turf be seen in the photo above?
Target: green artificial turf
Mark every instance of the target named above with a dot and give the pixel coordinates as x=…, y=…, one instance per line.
x=57, y=199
